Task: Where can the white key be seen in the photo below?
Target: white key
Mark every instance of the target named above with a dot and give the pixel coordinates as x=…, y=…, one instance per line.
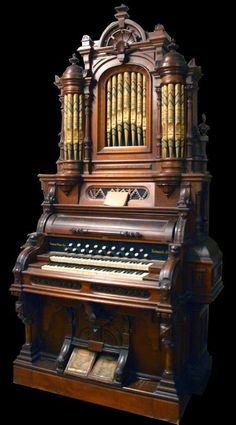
x=119, y=264
x=89, y=272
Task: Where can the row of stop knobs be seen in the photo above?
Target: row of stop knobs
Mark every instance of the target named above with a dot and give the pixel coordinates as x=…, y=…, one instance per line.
x=106, y=251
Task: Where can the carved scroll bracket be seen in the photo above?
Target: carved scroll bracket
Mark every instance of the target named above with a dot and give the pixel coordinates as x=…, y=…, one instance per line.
x=51, y=198
x=35, y=244
x=168, y=274
x=168, y=183
x=185, y=196
x=179, y=233
x=66, y=183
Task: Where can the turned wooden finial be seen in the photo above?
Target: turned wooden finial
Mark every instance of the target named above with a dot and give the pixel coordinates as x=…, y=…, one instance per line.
x=122, y=12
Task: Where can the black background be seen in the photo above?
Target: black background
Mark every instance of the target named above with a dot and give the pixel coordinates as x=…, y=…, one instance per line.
x=43, y=40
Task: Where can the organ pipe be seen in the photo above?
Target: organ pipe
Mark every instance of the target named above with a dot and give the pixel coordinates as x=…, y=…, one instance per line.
x=65, y=127
x=126, y=94
x=120, y=108
x=109, y=112
x=126, y=109
x=113, y=109
x=164, y=121
x=173, y=120
x=133, y=107
x=73, y=126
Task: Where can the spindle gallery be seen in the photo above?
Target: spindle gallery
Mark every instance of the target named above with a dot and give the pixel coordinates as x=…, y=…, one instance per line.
x=114, y=286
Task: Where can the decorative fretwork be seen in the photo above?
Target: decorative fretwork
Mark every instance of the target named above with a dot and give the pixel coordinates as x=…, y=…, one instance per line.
x=120, y=291
x=173, y=120
x=135, y=193
x=127, y=36
x=126, y=109
x=56, y=282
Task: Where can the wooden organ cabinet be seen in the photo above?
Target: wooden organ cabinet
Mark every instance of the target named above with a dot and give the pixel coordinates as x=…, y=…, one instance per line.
x=114, y=286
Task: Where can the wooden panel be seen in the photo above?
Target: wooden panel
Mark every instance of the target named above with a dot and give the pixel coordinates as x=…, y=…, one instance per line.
x=119, y=399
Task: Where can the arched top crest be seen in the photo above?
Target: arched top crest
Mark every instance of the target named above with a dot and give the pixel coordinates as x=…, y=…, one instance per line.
x=122, y=32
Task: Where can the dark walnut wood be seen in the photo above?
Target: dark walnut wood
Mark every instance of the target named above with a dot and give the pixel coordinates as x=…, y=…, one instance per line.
x=115, y=298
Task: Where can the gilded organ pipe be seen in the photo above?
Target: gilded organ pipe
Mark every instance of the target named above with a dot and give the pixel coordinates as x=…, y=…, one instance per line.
x=126, y=109
x=177, y=119
x=113, y=109
x=126, y=100
x=73, y=121
x=81, y=126
x=173, y=120
x=120, y=108
x=109, y=113
x=164, y=121
x=75, y=125
x=133, y=107
x=65, y=127
x=182, y=125
x=69, y=124
x=144, y=110
x=139, y=107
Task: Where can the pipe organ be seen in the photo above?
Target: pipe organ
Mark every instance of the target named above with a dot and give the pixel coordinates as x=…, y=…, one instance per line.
x=114, y=286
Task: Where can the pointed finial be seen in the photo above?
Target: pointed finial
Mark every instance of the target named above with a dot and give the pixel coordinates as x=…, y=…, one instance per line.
x=122, y=12
x=203, y=127
x=57, y=82
x=74, y=60
x=192, y=62
x=159, y=27
x=172, y=46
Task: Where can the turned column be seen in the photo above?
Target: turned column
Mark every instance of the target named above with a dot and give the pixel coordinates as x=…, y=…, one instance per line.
x=167, y=382
x=72, y=122
x=87, y=133
x=193, y=159
x=27, y=311
x=173, y=69
x=158, y=91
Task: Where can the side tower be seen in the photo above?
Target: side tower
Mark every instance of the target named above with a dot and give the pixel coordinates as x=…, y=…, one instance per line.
x=114, y=286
